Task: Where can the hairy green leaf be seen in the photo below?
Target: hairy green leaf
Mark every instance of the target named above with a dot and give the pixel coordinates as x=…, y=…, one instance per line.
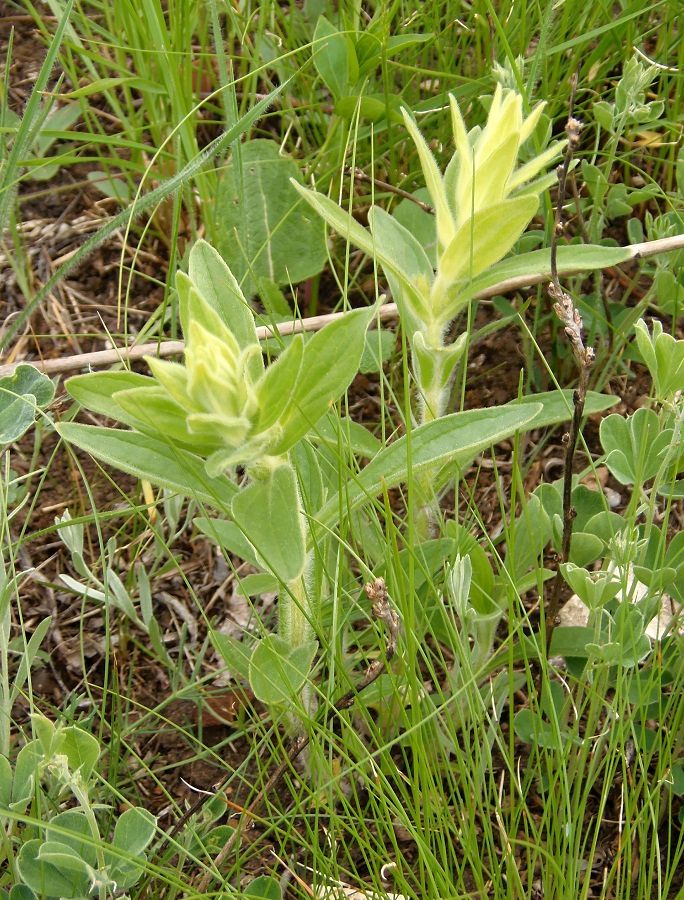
x=267, y=512
x=153, y=460
x=277, y=670
x=450, y=439
x=330, y=361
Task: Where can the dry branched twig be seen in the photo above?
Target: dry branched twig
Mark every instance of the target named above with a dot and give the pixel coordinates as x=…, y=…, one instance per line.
x=567, y=312
x=383, y=611
x=387, y=311
x=360, y=175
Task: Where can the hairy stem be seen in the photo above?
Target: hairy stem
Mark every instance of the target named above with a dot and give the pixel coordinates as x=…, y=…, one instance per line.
x=296, y=614
x=433, y=398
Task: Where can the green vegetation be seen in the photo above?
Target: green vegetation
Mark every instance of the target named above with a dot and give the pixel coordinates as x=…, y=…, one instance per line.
x=387, y=610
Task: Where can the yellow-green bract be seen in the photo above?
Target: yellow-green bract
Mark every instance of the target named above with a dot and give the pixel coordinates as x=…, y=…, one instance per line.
x=223, y=403
x=483, y=202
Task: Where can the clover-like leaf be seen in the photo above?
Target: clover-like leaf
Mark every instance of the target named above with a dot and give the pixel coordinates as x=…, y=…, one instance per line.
x=263, y=888
x=81, y=749
x=594, y=589
x=72, y=828
x=664, y=357
x=53, y=869
x=22, y=394
x=133, y=832
x=264, y=230
x=635, y=446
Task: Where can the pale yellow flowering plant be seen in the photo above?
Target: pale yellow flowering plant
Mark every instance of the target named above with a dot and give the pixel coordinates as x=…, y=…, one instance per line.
x=222, y=402
x=194, y=423
x=483, y=202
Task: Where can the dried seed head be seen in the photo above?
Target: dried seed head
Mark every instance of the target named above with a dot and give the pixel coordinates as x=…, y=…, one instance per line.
x=573, y=129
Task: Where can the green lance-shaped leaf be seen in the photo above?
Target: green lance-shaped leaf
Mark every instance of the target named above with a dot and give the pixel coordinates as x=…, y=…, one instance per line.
x=446, y=440
x=277, y=388
x=96, y=392
x=459, y=130
x=492, y=177
x=330, y=361
x=557, y=406
x=334, y=58
x=267, y=512
x=553, y=407
x=6, y=778
x=152, y=411
x=28, y=657
x=446, y=227
x=435, y=365
x=455, y=440
x=536, y=266
x=349, y=229
x=526, y=172
x=153, y=460
x=394, y=241
x=229, y=537
x=195, y=309
x=480, y=242
x=397, y=243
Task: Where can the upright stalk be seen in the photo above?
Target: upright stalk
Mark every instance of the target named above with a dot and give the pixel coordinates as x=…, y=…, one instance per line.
x=295, y=612
x=5, y=705
x=434, y=363
x=297, y=615
x=5, y=624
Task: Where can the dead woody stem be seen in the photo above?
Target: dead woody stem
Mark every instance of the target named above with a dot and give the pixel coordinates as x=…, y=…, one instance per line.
x=567, y=312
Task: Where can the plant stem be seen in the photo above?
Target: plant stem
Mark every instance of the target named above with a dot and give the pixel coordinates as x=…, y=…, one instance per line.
x=80, y=792
x=296, y=624
x=5, y=621
x=296, y=613
x=5, y=708
x=432, y=400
